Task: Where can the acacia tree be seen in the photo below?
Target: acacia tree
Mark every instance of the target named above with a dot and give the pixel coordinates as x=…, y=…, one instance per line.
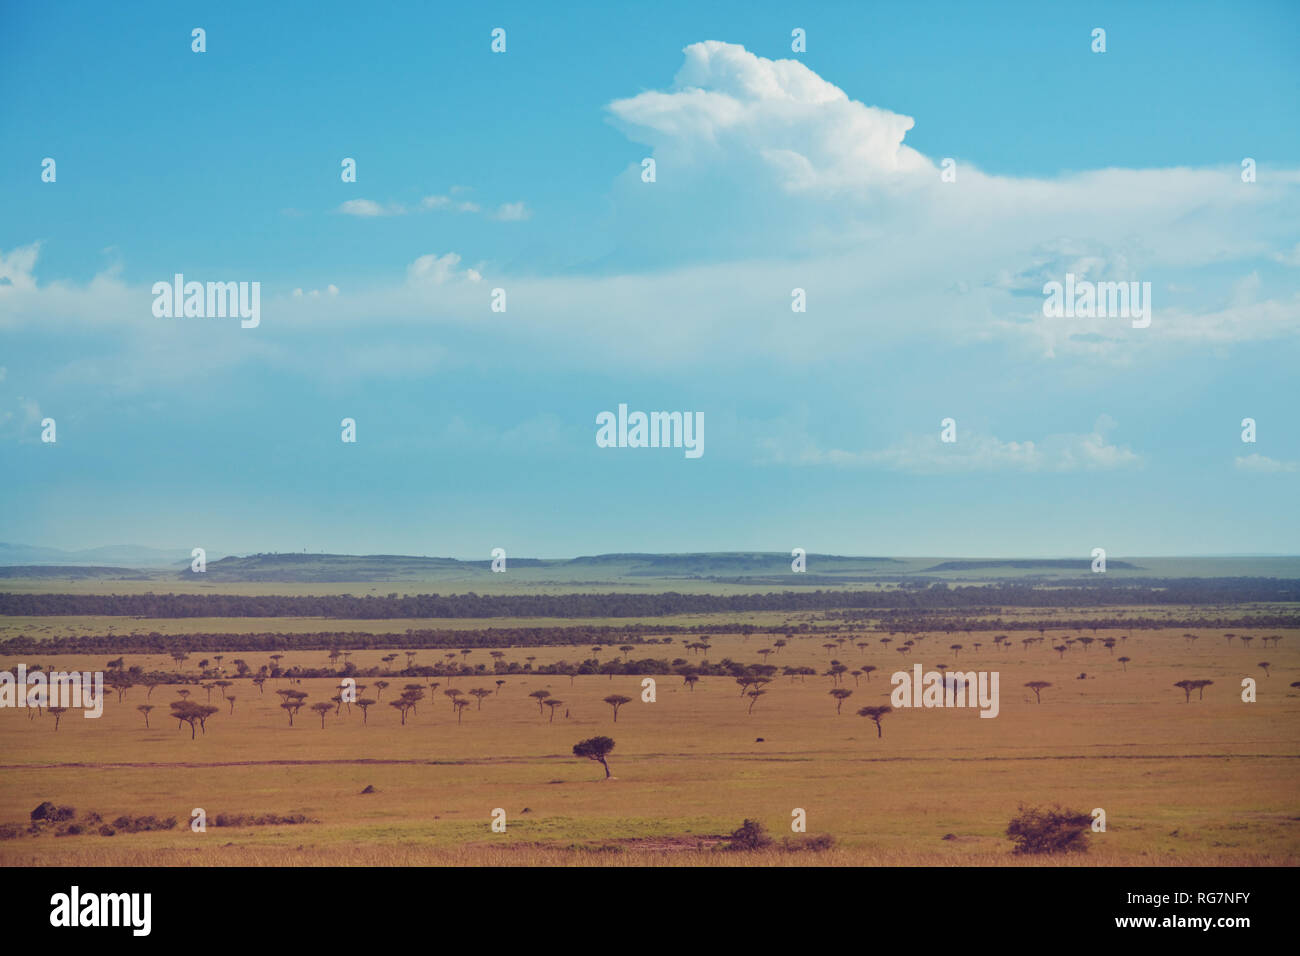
x=460, y=703
x=1200, y=686
x=291, y=708
x=323, y=708
x=754, y=695
x=875, y=713
x=540, y=696
x=552, y=703
x=1124, y=663
x=231, y=698
x=144, y=709
x=1187, y=686
x=867, y=669
x=597, y=749
x=500, y=684
x=189, y=712
x=616, y=701
x=379, y=689
x=480, y=693
x=365, y=703
x=1265, y=665
x=1038, y=686
x=402, y=705
x=841, y=694
x=58, y=713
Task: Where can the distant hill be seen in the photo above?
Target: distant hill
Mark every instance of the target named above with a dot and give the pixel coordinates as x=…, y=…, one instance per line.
x=328, y=568
x=71, y=572
x=1034, y=564
x=121, y=555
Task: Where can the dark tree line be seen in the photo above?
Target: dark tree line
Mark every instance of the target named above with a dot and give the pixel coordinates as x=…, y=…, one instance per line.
x=1130, y=592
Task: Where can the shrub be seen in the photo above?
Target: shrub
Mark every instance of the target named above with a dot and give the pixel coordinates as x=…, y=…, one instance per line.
x=815, y=844
x=1049, y=830
x=750, y=836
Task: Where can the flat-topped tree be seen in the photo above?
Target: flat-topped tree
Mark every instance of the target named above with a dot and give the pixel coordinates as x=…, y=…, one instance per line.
x=58, y=713
x=875, y=713
x=597, y=749
x=616, y=701
x=540, y=696
x=460, y=703
x=322, y=708
x=1265, y=665
x=401, y=705
x=365, y=703
x=1200, y=686
x=552, y=703
x=1187, y=686
x=1038, y=686
x=144, y=709
x=1124, y=663
x=479, y=693
x=291, y=708
x=841, y=694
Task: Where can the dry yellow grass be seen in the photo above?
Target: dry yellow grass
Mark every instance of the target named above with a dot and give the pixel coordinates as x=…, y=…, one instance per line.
x=1210, y=782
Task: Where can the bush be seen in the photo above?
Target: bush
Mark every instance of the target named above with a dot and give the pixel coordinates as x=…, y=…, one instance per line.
x=815, y=844
x=750, y=836
x=1049, y=830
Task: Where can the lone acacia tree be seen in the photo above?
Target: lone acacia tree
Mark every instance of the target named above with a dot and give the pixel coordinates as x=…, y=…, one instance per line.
x=841, y=694
x=1124, y=663
x=616, y=701
x=875, y=713
x=144, y=709
x=58, y=713
x=597, y=749
x=323, y=708
x=291, y=708
x=1038, y=686
x=1265, y=665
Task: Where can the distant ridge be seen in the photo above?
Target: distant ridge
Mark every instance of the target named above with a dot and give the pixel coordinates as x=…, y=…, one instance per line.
x=1031, y=564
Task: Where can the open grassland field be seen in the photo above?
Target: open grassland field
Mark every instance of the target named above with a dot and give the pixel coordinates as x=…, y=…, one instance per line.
x=46, y=627
x=1214, y=781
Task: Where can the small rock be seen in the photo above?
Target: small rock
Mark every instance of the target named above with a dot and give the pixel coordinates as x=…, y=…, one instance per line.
x=370, y=788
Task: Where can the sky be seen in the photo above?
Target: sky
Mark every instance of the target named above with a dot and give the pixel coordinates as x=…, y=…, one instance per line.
x=774, y=170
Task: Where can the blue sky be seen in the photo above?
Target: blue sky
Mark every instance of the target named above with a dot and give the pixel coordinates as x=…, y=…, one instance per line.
x=775, y=170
